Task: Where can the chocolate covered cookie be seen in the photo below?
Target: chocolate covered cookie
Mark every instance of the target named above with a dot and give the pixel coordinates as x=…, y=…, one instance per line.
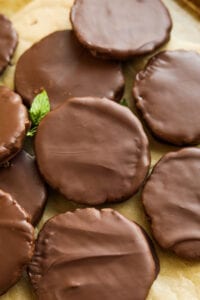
x=8, y=42
x=22, y=180
x=93, y=255
x=171, y=198
x=14, y=124
x=92, y=150
x=16, y=241
x=61, y=66
x=167, y=94
x=121, y=29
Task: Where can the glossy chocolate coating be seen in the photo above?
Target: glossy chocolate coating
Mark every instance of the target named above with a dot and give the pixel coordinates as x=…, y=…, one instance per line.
x=167, y=94
x=121, y=29
x=92, y=150
x=65, y=69
x=8, y=42
x=22, y=180
x=14, y=123
x=16, y=241
x=171, y=198
x=92, y=255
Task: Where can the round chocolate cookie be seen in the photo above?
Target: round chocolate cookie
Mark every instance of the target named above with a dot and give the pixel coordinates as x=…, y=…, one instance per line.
x=8, y=42
x=14, y=123
x=61, y=66
x=90, y=254
x=171, y=198
x=16, y=240
x=22, y=180
x=121, y=29
x=167, y=94
x=92, y=150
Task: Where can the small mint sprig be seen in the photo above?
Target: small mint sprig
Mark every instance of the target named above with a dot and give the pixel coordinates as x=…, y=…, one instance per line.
x=123, y=102
x=39, y=108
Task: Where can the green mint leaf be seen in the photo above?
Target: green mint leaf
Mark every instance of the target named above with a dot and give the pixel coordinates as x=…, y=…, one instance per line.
x=39, y=108
x=32, y=131
x=124, y=102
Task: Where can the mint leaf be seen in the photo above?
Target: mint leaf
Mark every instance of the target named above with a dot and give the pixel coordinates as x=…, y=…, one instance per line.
x=39, y=108
x=32, y=131
x=124, y=102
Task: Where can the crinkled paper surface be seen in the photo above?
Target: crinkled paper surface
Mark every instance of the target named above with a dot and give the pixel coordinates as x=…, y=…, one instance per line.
x=178, y=279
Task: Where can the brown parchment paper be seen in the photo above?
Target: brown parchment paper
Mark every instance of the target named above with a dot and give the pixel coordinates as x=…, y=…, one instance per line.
x=193, y=4
x=178, y=279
